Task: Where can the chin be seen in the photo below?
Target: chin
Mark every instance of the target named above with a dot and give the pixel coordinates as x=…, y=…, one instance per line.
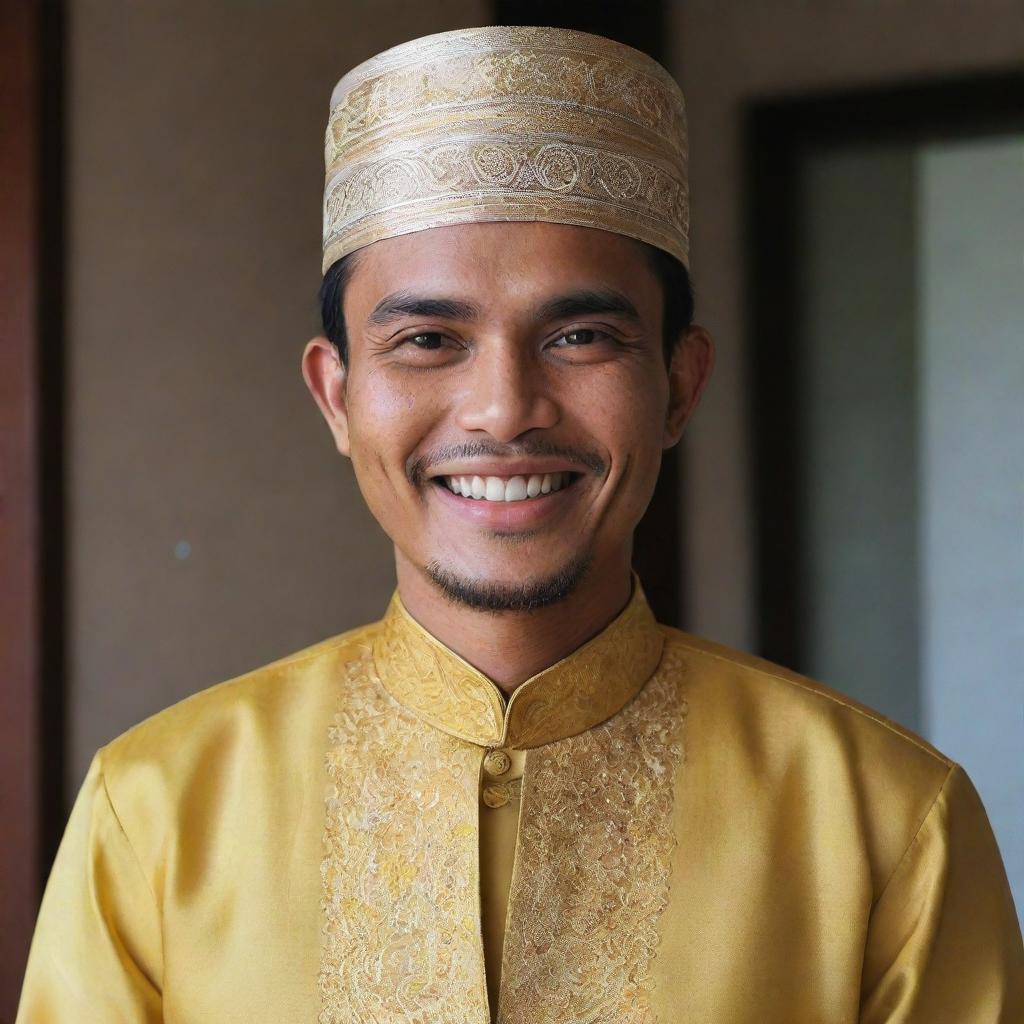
x=485, y=593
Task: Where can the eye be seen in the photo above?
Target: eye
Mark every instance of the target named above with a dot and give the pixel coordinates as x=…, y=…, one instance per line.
x=428, y=341
x=581, y=336
x=425, y=349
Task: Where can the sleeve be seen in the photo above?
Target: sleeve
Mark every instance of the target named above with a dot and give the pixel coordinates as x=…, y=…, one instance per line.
x=96, y=952
x=944, y=944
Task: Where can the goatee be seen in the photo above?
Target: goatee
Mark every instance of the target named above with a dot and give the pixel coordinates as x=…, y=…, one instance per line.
x=528, y=596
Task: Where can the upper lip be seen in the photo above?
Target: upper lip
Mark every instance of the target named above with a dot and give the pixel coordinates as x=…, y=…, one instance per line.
x=506, y=468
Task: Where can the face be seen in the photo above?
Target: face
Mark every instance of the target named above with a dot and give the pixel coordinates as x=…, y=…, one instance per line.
x=506, y=403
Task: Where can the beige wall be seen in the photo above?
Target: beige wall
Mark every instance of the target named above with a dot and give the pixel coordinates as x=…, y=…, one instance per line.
x=726, y=52
x=196, y=149
x=195, y=173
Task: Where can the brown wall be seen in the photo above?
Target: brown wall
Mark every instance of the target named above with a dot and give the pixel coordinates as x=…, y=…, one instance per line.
x=195, y=174
x=725, y=53
x=196, y=163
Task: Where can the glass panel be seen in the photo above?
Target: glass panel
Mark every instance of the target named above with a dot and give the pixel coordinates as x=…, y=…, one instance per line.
x=970, y=203
x=911, y=387
x=858, y=426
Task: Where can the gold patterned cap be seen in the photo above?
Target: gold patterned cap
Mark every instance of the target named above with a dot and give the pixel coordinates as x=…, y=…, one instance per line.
x=506, y=124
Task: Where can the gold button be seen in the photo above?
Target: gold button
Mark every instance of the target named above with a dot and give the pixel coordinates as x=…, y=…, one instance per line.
x=496, y=796
x=497, y=762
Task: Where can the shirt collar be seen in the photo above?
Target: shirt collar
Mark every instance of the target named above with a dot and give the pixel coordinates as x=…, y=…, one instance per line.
x=573, y=695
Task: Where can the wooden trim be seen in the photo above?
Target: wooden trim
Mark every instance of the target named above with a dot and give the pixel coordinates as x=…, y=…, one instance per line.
x=19, y=582
x=658, y=544
x=777, y=135
x=31, y=553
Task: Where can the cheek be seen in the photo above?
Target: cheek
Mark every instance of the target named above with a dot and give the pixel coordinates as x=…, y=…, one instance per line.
x=386, y=422
x=627, y=418
x=626, y=412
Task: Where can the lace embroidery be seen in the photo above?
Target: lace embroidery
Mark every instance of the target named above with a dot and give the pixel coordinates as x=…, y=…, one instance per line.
x=573, y=695
x=425, y=676
x=400, y=873
x=521, y=178
x=456, y=71
x=591, y=878
x=591, y=684
x=506, y=124
x=401, y=934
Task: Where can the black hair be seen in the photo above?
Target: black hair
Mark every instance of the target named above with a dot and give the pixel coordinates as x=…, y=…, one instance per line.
x=677, y=292
x=677, y=312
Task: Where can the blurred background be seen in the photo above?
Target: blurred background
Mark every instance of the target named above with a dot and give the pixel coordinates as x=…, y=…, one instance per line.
x=848, y=500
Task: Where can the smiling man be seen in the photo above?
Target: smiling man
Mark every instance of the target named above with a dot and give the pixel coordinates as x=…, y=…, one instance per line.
x=505, y=392
x=517, y=797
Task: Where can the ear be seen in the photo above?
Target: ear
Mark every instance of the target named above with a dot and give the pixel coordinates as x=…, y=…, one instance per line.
x=326, y=377
x=693, y=359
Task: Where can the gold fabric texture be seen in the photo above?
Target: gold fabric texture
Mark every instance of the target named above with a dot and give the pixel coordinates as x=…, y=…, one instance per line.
x=402, y=932
x=583, y=846
x=401, y=909
x=506, y=124
x=301, y=844
x=571, y=696
x=499, y=834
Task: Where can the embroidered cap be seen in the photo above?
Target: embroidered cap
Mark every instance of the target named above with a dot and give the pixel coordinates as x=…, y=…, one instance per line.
x=506, y=124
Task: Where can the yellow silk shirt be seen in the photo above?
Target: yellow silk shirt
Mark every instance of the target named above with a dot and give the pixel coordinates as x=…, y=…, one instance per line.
x=655, y=829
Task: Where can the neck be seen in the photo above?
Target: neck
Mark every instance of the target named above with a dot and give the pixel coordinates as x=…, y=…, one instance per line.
x=510, y=647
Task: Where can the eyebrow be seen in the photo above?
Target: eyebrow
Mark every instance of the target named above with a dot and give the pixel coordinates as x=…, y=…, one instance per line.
x=584, y=302
x=400, y=304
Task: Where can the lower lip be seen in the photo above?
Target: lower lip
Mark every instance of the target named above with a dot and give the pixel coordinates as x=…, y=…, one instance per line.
x=506, y=515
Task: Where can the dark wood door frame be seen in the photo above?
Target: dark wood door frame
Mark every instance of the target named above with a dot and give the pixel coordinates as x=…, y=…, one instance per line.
x=777, y=135
x=31, y=424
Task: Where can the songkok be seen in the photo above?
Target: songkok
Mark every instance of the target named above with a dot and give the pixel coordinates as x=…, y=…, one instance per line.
x=506, y=124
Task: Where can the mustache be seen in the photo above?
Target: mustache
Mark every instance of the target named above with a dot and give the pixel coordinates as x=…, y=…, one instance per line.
x=417, y=468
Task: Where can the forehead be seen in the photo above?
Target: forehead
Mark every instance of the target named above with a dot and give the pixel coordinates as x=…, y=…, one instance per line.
x=503, y=263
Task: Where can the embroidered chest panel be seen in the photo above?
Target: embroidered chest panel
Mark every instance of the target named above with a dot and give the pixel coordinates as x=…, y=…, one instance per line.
x=401, y=931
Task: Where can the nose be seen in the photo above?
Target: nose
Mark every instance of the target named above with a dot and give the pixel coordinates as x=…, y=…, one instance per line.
x=507, y=393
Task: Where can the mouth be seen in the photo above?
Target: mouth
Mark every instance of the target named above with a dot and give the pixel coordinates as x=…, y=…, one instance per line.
x=506, y=489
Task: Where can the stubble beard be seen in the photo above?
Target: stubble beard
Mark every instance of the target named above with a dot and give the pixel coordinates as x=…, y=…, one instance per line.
x=527, y=596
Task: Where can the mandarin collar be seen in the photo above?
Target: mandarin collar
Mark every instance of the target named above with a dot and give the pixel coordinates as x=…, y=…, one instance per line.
x=567, y=698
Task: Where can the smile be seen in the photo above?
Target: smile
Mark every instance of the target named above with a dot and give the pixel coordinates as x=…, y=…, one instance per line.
x=504, y=489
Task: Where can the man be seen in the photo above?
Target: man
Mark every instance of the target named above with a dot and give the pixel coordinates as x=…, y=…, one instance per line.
x=517, y=797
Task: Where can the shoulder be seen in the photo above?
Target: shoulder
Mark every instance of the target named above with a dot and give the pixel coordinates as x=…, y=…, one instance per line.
x=186, y=782
x=256, y=695
x=787, y=699
x=264, y=717
x=761, y=733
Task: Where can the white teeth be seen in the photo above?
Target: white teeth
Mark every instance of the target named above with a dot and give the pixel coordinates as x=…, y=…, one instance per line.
x=516, y=488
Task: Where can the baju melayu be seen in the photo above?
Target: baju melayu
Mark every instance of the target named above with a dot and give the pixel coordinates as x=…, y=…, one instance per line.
x=654, y=829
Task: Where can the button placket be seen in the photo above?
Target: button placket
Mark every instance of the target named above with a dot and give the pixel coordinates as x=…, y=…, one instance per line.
x=498, y=787
x=497, y=795
x=497, y=762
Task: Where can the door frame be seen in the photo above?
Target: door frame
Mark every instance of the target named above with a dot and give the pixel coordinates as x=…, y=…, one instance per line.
x=31, y=470
x=777, y=134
